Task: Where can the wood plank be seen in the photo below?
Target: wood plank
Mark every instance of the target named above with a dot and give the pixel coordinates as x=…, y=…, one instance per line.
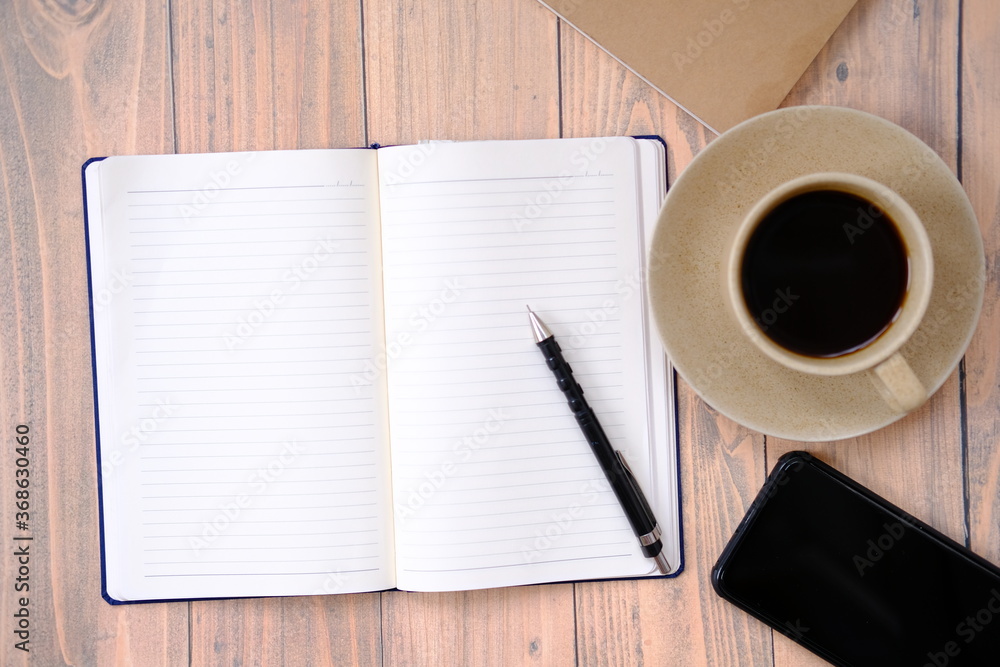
x=897, y=59
x=678, y=621
x=267, y=75
x=981, y=178
x=315, y=630
x=530, y=625
x=257, y=76
x=76, y=80
x=457, y=70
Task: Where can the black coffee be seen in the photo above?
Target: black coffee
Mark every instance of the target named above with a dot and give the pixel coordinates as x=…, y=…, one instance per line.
x=825, y=273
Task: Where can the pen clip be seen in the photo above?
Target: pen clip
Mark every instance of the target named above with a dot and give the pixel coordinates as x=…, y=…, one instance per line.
x=635, y=483
x=621, y=459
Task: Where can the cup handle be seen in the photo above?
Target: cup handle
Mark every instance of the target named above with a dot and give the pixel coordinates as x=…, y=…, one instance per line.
x=898, y=385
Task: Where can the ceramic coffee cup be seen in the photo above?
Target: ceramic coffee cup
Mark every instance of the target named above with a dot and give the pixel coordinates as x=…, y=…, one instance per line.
x=830, y=274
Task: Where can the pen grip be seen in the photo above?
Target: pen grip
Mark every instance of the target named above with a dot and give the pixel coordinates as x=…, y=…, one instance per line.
x=622, y=482
x=574, y=396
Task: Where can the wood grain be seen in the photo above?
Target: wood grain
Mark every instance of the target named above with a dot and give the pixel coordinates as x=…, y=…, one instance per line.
x=316, y=630
x=457, y=70
x=76, y=80
x=267, y=75
x=675, y=621
x=531, y=625
x=981, y=177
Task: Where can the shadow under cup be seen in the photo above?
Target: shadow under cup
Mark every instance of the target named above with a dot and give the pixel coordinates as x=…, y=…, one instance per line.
x=830, y=274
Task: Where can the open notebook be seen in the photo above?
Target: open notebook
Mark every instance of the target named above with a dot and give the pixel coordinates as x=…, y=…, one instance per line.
x=314, y=371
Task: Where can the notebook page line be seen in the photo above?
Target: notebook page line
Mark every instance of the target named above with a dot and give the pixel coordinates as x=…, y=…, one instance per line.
x=441, y=463
x=242, y=322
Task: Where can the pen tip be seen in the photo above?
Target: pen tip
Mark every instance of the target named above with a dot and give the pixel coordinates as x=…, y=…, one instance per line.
x=538, y=327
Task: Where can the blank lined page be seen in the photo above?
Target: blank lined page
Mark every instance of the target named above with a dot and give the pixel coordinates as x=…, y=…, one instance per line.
x=237, y=303
x=493, y=483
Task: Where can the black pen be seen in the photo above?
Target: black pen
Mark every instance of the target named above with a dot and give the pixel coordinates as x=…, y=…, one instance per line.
x=612, y=462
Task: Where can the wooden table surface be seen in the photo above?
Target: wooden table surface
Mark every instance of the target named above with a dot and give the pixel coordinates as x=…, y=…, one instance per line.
x=95, y=77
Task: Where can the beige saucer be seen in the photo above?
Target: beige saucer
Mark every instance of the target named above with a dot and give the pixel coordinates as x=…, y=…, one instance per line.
x=708, y=202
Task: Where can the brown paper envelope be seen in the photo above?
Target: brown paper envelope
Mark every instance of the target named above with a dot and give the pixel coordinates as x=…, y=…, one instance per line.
x=723, y=61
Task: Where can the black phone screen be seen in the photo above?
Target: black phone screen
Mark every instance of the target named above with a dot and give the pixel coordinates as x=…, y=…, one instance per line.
x=855, y=579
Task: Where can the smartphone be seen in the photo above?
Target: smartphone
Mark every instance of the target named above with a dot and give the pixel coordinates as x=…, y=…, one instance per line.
x=855, y=579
